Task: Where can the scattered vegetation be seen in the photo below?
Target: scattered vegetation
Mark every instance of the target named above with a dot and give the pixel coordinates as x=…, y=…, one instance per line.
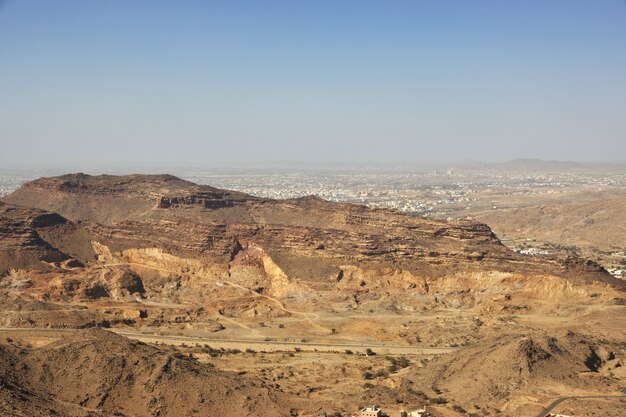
x=397, y=363
x=438, y=400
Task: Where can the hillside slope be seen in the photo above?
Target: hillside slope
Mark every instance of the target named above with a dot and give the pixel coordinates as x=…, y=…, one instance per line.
x=594, y=228
x=99, y=373
x=189, y=220
x=166, y=239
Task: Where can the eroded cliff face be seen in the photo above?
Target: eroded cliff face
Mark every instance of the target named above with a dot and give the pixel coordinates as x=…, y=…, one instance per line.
x=192, y=234
x=25, y=238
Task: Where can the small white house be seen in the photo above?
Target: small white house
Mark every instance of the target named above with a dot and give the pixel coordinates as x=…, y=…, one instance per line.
x=372, y=411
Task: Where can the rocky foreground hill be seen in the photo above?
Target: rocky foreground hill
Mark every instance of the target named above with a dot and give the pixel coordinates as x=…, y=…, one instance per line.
x=97, y=373
x=158, y=254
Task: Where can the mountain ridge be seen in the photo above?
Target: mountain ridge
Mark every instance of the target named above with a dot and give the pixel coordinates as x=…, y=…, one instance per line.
x=122, y=211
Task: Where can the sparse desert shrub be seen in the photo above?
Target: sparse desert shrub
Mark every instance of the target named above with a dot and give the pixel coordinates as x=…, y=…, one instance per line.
x=398, y=363
x=458, y=409
x=369, y=352
x=419, y=394
x=619, y=301
x=382, y=373
x=349, y=352
x=368, y=375
x=438, y=400
x=403, y=362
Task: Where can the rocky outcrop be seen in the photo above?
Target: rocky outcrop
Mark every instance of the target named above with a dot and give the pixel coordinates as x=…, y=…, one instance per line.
x=21, y=244
x=307, y=238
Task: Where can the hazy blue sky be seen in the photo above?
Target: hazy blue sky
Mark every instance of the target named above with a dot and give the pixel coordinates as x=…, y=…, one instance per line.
x=217, y=81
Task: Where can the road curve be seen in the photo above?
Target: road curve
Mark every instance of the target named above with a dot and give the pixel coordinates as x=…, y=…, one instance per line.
x=558, y=401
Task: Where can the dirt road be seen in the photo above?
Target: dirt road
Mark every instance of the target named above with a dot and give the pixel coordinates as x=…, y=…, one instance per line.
x=257, y=345
x=558, y=401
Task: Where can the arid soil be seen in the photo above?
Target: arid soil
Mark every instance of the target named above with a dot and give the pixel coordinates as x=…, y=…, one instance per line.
x=182, y=267
x=590, y=224
x=99, y=373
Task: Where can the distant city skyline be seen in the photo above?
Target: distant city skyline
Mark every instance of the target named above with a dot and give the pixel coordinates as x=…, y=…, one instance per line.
x=224, y=83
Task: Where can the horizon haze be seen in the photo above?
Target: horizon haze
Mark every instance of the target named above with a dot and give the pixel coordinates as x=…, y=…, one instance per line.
x=111, y=83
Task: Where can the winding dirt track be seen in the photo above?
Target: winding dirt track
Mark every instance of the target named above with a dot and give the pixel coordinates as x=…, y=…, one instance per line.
x=276, y=301
x=281, y=306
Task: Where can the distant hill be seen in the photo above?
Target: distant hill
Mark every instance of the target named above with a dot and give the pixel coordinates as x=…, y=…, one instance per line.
x=540, y=165
x=591, y=226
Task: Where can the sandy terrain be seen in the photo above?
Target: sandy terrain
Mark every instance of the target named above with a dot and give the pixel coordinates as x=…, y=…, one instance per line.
x=287, y=308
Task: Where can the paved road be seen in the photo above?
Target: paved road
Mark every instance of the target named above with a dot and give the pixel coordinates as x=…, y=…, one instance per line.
x=558, y=401
x=272, y=345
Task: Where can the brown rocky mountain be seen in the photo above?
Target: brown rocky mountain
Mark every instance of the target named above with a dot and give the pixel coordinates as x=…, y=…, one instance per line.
x=508, y=363
x=98, y=373
x=201, y=222
x=166, y=239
